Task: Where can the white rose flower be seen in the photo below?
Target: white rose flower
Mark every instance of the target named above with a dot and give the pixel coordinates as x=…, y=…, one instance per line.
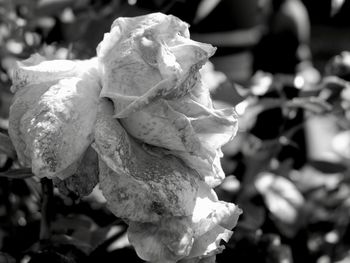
x=150, y=70
x=140, y=118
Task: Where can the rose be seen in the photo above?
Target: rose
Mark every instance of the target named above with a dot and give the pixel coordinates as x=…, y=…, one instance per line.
x=158, y=93
x=154, y=132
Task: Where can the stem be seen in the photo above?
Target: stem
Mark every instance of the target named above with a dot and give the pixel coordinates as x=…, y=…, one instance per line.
x=46, y=209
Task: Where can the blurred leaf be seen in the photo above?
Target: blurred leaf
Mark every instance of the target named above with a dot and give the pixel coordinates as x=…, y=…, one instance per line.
x=59, y=253
x=260, y=83
x=73, y=241
x=52, y=7
x=274, y=250
x=6, y=258
x=81, y=231
x=228, y=188
x=336, y=6
x=339, y=65
x=313, y=104
x=22, y=173
x=283, y=200
x=253, y=217
x=341, y=144
x=308, y=178
x=6, y=146
x=331, y=88
x=328, y=167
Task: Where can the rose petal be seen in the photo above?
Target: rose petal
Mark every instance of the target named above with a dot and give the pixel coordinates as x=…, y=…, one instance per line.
x=84, y=179
x=24, y=99
x=168, y=241
x=161, y=125
x=194, y=236
x=51, y=121
x=188, y=130
x=140, y=183
x=214, y=128
x=209, y=212
x=37, y=69
x=155, y=58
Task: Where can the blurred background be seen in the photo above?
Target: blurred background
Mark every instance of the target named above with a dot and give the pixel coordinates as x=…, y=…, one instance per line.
x=285, y=67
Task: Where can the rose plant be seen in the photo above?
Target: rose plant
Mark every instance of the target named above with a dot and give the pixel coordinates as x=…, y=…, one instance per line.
x=136, y=120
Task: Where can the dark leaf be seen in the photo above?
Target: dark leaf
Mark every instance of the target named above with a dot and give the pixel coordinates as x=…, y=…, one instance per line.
x=6, y=258
x=6, y=146
x=59, y=253
x=21, y=173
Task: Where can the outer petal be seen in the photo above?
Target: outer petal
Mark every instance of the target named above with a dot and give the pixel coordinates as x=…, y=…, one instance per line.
x=168, y=241
x=140, y=183
x=198, y=235
x=37, y=69
x=51, y=121
x=23, y=100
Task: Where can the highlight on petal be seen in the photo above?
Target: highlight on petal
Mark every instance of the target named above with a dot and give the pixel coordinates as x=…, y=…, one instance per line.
x=51, y=119
x=140, y=183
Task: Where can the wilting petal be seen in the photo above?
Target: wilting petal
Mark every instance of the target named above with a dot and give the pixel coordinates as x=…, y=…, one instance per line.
x=197, y=235
x=140, y=183
x=168, y=241
x=37, y=69
x=51, y=120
